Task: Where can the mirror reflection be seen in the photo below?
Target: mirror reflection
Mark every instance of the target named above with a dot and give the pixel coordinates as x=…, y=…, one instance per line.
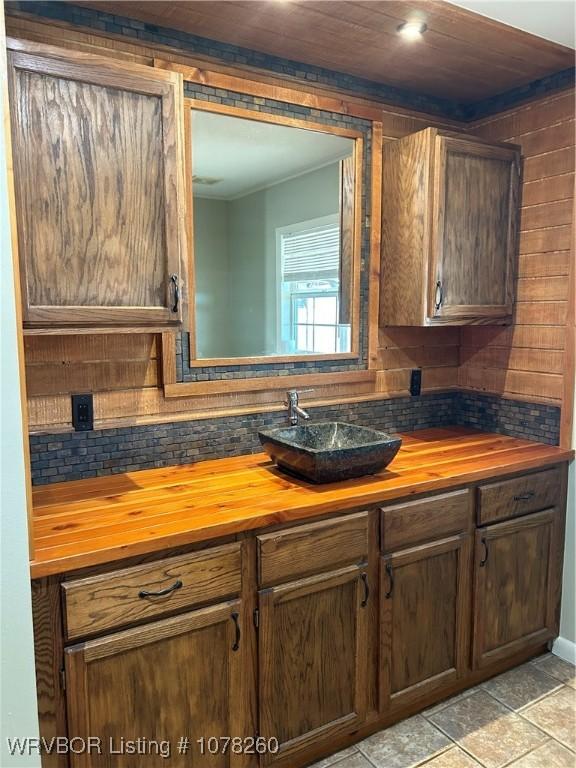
x=273, y=238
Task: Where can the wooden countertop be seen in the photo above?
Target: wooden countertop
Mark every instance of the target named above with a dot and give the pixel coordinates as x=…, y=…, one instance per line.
x=88, y=522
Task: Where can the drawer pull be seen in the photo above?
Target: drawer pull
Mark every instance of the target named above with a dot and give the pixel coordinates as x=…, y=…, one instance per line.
x=144, y=593
x=485, y=558
x=525, y=496
x=390, y=573
x=234, y=617
x=364, y=578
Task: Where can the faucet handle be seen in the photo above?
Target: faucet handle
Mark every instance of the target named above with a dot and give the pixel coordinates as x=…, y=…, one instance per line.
x=299, y=391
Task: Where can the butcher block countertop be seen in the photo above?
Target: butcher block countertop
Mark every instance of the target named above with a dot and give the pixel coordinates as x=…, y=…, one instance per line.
x=102, y=520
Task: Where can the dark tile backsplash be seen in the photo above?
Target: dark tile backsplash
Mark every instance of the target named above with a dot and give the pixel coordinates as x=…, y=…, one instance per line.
x=76, y=455
x=532, y=421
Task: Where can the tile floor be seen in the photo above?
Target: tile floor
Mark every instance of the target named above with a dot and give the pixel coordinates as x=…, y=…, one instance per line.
x=525, y=718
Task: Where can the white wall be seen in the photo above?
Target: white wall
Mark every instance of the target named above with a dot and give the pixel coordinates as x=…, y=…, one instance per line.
x=18, y=716
x=565, y=645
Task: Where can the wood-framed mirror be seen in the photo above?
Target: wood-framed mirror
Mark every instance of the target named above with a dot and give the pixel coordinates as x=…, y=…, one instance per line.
x=274, y=226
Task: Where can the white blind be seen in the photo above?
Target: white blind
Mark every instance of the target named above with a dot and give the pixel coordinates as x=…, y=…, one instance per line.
x=311, y=254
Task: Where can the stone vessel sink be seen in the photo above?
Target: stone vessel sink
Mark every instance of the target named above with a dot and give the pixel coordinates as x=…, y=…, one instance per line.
x=326, y=452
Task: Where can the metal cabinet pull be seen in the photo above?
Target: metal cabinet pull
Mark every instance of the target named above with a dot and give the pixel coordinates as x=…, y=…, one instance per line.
x=439, y=298
x=234, y=617
x=485, y=558
x=525, y=496
x=390, y=574
x=364, y=578
x=144, y=593
x=174, y=281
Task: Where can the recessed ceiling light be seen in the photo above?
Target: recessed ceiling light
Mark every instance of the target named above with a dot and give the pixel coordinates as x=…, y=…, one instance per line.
x=412, y=30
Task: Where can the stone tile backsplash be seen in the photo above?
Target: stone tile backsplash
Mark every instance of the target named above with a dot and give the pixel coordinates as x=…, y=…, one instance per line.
x=76, y=455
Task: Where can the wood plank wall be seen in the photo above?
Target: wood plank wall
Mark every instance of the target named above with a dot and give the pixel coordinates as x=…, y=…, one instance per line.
x=529, y=359
x=526, y=360
x=123, y=372
x=61, y=365
x=434, y=350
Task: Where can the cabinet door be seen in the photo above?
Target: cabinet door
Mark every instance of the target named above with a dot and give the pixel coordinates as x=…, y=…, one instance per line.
x=515, y=592
x=313, y=658
x=474, y=223
x=180, y=677
x=98, y=172
x=425, y=619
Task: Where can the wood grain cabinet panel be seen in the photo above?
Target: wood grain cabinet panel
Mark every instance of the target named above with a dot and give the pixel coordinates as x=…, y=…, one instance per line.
x=433, y=517
x=425, y=619
x=176, y=677
x=98, y=165
x=144, y=592
x=519, y=496
x=312, y=548
x=313, y=658
x=516, y=585
x=449, y=230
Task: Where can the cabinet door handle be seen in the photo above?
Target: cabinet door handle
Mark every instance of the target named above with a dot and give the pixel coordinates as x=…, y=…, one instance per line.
x=485, y=558
x=525, y=496
x=439, y=298
x=144, y=593
x=364, y=578
x=174, y=281
x=234, y=617
x=390, y=574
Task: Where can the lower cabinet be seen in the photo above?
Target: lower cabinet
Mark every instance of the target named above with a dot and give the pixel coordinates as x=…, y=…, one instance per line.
x=453, y=604
x=313, y=657
x=516, y=574
x=424, y=619
x=176, y=678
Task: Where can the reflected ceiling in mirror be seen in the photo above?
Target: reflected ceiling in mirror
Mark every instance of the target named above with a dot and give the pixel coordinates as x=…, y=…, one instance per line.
x=273, y=224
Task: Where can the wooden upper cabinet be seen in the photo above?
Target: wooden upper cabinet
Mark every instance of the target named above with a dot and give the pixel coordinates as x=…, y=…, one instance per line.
x=449, y=230
x=98, y=167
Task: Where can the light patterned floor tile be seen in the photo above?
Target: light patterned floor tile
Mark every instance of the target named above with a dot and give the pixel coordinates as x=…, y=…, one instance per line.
x=489, y=731
x=356, y=761
x=337, y=759
x=405, y=744
x=550, y=755
x=557, y=668
x=521, y=686
x=452, y=758
x=556, y=714
x=446, y=703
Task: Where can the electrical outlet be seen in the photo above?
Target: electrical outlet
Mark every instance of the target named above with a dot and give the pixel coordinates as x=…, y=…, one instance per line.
x=83, y=412
x=415, y=381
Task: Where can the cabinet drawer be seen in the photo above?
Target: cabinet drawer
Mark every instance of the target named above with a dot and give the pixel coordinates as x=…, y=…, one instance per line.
x=414, y=522
x=312, y=548
x=118, y=598
x=518, y=496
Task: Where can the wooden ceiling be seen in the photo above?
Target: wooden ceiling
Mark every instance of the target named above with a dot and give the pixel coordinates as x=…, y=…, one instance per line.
x=463, y=56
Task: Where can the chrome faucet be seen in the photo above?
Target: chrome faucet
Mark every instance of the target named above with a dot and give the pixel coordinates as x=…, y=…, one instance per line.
x=294, y=409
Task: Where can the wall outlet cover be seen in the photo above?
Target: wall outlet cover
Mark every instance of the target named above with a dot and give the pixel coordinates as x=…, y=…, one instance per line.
x=416, y=381
x=83, y=412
